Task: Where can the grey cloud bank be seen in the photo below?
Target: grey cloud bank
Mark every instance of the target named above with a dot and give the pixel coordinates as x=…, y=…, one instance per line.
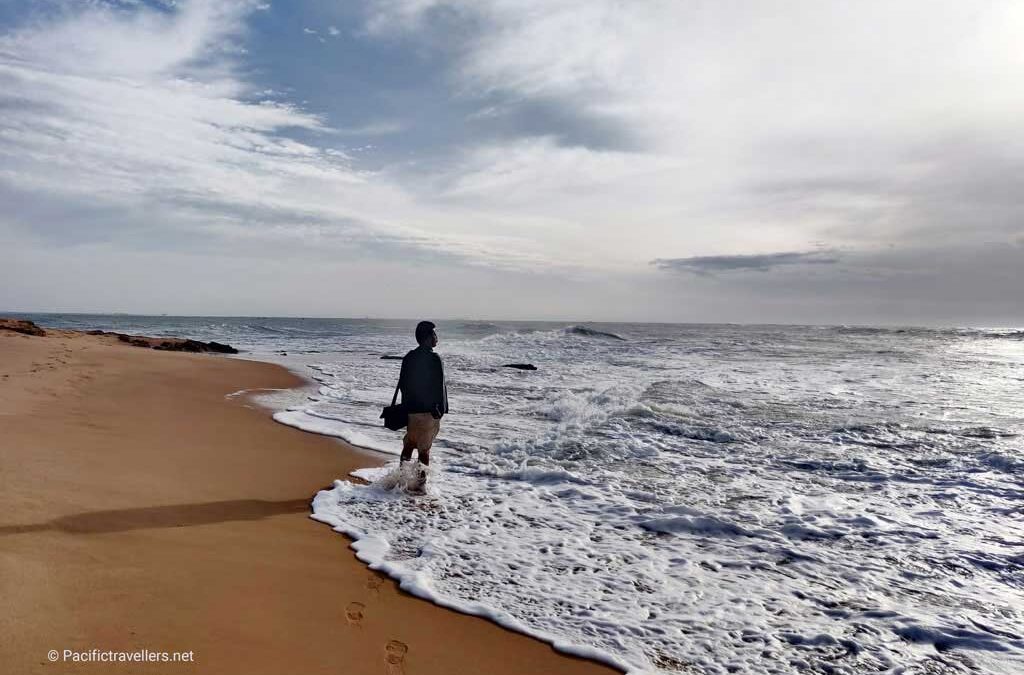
x=759, y=262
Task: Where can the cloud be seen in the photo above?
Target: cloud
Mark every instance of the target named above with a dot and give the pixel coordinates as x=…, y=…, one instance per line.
x=763, y=262
x=678, y=62
x=146, y=118
x=310, y=31
x=857, y=125
x=380, y=128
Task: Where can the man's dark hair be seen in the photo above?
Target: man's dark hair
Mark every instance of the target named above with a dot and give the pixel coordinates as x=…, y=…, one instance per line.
x=423, y=331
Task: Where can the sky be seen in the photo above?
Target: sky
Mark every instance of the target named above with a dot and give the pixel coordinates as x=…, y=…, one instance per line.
x=797, y=161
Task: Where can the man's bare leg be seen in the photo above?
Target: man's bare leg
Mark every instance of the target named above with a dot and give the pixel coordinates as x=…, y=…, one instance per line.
x=407, y=448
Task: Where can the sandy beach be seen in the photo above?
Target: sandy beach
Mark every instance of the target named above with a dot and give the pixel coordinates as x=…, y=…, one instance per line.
x=143, y=508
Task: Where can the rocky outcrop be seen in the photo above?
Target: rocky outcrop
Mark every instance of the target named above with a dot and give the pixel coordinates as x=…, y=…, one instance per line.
x=195, y=346
x=392, y=357
x=21, y=326
x=163, y=344
x=520, y=366
x=173, y=344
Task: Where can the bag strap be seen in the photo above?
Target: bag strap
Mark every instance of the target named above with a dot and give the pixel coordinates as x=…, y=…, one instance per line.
x=395, y=397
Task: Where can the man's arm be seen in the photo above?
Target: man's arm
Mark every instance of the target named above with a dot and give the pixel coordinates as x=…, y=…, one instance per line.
x=440, y=390
x=444, y=392
x=402, y=376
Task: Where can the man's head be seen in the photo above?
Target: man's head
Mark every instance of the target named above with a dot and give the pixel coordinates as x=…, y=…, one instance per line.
x=425, y=334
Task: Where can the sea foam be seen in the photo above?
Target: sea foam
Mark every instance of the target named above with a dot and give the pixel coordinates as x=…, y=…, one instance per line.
x=717, y=501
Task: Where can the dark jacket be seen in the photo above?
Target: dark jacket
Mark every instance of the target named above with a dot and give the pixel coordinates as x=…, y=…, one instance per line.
x=422, y=382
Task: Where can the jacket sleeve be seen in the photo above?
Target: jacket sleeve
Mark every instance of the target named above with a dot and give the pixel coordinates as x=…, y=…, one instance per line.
x=444, y=391
x=402, y=376
x=442, y=388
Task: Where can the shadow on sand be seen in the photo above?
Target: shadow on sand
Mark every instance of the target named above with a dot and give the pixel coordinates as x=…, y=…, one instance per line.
x=153, y=517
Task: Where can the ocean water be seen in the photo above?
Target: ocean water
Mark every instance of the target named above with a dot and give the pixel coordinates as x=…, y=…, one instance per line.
x=688, y=498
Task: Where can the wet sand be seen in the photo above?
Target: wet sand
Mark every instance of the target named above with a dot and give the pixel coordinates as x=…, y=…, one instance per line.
x=141, y=507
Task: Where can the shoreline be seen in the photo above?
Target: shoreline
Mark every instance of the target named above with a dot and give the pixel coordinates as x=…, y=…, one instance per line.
x=482, y=611
x=145, y=507
x=498, y=617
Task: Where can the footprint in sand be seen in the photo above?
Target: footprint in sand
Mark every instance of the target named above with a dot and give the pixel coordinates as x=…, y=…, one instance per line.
x=373, y=582
x=354, y=612
x=395, y=656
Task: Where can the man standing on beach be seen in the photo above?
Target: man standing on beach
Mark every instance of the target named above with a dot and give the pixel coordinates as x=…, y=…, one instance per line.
x=424, y=395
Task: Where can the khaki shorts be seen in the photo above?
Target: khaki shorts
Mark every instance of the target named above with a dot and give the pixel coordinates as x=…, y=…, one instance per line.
x=421, y=432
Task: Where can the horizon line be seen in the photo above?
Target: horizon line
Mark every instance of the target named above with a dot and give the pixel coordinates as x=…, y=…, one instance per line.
x=937, y=326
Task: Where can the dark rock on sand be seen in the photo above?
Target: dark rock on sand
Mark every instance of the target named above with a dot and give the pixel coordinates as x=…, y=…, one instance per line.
x=520, y=366
x=176, y=344
x=221, y=348
x=195, y=347
x=21, y=326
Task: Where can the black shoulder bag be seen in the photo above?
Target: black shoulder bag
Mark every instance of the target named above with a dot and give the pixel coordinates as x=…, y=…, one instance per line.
x=395, y=415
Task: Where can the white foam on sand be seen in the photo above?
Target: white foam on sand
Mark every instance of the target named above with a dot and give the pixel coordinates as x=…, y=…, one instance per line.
x=587, y=569
x=305, y=420
x=388, y=489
